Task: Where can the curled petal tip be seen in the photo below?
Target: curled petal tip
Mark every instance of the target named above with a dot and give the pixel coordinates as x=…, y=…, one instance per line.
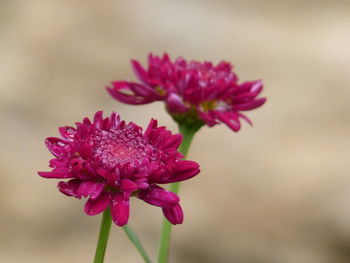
x=174, y=214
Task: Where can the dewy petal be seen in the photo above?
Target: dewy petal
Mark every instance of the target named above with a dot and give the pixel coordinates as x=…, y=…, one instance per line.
x=127, y=186
x=57, y=146
x=120, y=209
x=69, y=188
x=158, y=196
x=90, y=188
x=67, y=132
x=96, y=206
x=174, y=214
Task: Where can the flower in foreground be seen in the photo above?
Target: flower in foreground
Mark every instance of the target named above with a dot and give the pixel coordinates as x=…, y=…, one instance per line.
x=109, y=161
x=195, y=93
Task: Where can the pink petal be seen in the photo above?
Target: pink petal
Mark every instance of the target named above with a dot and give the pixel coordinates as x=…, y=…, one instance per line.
x=67, y=132
x=254, y=87
x=58, y=147
x=69, y=188
x=96, y=206
x=173, y=141
x=230, y=119
x=175, y=104
x=208, y=118
x=98, y=120
x=143, y=91
x=59, y=173
x=115, y=119
x=174, y=214
x=111, y=178
x=139, y=71
x=128, y=186
x=120, y=209
x=90, y=188
x=250, y=105
x=184, y=170
x=150, y=128
x=116, y=92
x=242, y=116
x=158, y=196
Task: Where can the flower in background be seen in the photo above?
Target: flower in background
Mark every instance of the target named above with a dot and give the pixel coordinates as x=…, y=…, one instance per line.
x=109, y=161
x=195, y=93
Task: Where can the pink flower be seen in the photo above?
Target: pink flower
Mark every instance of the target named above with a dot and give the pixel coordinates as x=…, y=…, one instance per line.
x=196, y=93
x=109, y=161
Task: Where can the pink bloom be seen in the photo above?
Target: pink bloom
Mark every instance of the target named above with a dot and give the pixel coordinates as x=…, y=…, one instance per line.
x=109, y=161
x=196, y=93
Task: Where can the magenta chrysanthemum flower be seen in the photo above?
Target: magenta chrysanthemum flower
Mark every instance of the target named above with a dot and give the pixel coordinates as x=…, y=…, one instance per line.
x=109, y=161
x=195, y=93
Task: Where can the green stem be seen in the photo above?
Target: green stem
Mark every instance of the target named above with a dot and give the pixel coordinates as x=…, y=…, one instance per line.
x=137, y=243
x=103, y=236
x=165, y=234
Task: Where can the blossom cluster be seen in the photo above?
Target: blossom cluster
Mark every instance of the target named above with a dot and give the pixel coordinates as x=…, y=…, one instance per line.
x=109, y=161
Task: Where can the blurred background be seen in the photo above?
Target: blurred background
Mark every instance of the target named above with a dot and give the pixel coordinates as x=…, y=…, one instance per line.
x=277, y=192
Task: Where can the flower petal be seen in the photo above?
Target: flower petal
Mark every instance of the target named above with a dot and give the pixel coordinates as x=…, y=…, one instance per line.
x=98, y=120
x=111, y=178
x=208, y=118
x=57, y=146
x=175, y=104
x=242, y=116
x=184, y=170
x=172, y=141
x=58, y=173
x=120, y=209
x=139, y=71
x=250, y=105
x=117, y=92
x=144, y=91
x=67, y=132
x=174, y=214
x=69, y=188
x=90, y=188
x=230, y=119
x=96, y=206
x=127, y=186
x=152, y=126
x=158, y=196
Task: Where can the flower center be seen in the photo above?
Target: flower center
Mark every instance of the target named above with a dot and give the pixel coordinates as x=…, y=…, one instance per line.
x=118, y=147
x=208, y=105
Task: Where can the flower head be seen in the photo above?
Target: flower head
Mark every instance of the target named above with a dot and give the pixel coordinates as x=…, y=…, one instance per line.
x=195, y=93
x=109, y=161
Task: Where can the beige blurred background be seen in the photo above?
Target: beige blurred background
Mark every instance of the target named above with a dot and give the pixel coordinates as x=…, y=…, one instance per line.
x=277, y=192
